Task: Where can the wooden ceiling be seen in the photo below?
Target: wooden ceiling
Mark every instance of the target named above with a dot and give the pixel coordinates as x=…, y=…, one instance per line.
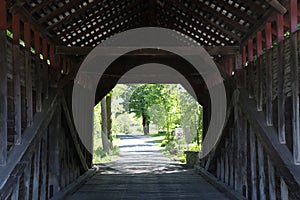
x=88, y=22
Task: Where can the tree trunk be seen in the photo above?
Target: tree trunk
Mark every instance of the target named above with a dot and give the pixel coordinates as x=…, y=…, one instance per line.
x=146, y=123
x=108, y=113
x=105, y=140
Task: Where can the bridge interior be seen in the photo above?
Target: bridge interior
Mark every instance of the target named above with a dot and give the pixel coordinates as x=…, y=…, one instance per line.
x=254, y=43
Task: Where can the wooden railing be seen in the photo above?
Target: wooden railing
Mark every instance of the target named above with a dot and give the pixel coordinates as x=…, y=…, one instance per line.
x=50, y=157
x=257, y=156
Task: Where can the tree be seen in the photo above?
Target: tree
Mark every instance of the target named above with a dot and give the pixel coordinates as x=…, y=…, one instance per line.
x=142, y=98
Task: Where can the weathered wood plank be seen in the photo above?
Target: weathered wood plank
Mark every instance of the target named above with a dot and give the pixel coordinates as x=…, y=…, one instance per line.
x=44, y=166
x=269, y=89
x=36, y=173
x=284, y=191
x=54, y=154
x=16, y=79
x=17, y=94
x=271, y=178
x=259, y=84
x=3, y=100
x=27, y=180
x=28, y=86
x=253, y=163
x=261, y=171
x=280, y=95
x=41, y=121
x=15, y=193
x=38, y=85
x=267, y=135
x=295, y=98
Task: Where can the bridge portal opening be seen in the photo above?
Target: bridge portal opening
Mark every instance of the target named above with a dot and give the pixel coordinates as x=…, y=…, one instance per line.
x=166, y=115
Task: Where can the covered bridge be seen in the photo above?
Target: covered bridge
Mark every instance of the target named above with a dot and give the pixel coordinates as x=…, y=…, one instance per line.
x=254, y=43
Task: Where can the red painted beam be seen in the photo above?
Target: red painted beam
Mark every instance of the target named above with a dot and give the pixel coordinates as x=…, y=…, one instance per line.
x=250, y=50
x=37, y=46
x=3, y=19
x=16, y=28
x=268, y=32
x=27, y=36
x=294, y=15
x=259, y=43
x=280, y=27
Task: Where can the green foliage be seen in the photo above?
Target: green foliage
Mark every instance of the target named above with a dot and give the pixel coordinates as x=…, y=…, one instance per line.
x=143, y=98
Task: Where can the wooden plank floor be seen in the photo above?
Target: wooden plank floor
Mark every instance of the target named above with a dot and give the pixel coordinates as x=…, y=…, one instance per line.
x=142, y=172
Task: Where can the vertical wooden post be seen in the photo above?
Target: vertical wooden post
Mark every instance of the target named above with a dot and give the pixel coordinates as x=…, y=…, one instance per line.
x=261, y=171
x=28, y=76
x=295, y=81
x=15, y=192
x=3, y=85
x=280, y=78
x=271, y=178
x=284, y=191
x=44, y=166
x=250, y=68
x=269, y=73
x=45, y=67
x=38, y=72
x=36, y=173
x=17, y=78
x=27, y=179
x=54, y=153
x=259, y=70
x=253, y=162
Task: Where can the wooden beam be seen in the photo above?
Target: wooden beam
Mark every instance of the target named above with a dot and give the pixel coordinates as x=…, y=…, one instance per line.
x=207, y=21
x=28, y=75
x=280, y=81
x=172, y=21
x=294, y=15
x=70, y=17
x=38, y=72
x=278, y=6
x=24, y=14
x=236, y=11
x=40, y=6
x=267, y=135
x=259, y=64
x=3, y=85
x=17, y=79
x=261, y=171
x=253, y=6
x=295, y=97
x=84, y=22
x=112, y=51
x=269, y=76
x=234, y=24
x=102, y=23
x=60, y=10
x=295, y=80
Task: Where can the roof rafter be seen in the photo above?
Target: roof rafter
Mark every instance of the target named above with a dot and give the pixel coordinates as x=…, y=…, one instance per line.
x=40, y=6
x=60, y=10
x=219, y=15
x=75, y=14
x=194, y=24
x=255, y=8
x=236, y=11
x=108, y=27
x=103, y=22
x=196, y=15
x=85, y=21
